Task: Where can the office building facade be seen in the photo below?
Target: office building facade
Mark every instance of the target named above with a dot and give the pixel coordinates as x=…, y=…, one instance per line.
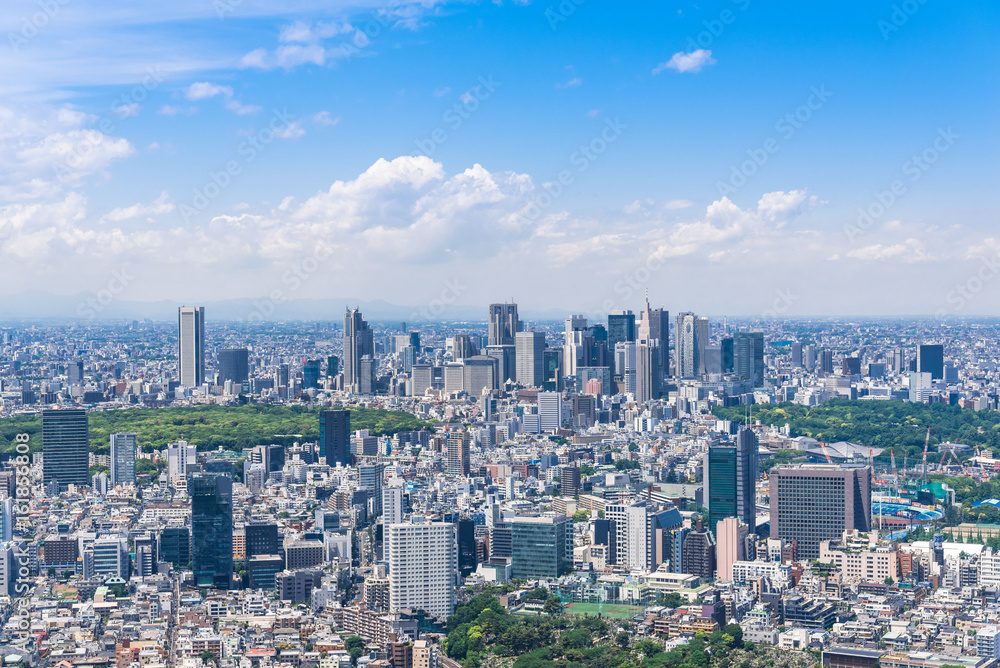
x=422, y=563
x=335, y=437
x=811, y=503
x=212, y=530
x=65, y=447
x=122, y=459
x=191, y=345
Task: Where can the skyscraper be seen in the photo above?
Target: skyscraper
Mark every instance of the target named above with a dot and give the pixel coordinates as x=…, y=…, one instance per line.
x=122, y=459
x=748, y=356
x=648, y=372
x=310, y=374
x=65, y=447
x=654, y=325
x=458, y=453
x=541, y=547
x=359, y=341
x=422, y=561
x=261, y=538
x=621, y=328
x=234, y=365
x=731, y=479
x=504, y=324
x=212, y=530
x=930, y=359
x=815, y=502
x=335, y=437
x=691, y=338
x=550, y=416
x=577, y=341
x=191, y=345
x=179, y=455
x=392, y=510
x=530, y=358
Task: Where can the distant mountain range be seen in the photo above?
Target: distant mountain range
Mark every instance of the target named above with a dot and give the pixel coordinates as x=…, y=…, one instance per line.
x=87, y=306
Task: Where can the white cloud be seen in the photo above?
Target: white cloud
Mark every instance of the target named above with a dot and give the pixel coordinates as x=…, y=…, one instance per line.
x=205, y=90
x=572, y=83
x=127, y=110
x=160, y=205
x=171, y=110
x=323, y=119
x=912, y=250
x=687, y=62
x=291, y=131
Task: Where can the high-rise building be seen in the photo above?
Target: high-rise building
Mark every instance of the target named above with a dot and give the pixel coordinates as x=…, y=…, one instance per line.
x=541, y=547
x=234, y=365
x=332, y=365
x=179, y=455
x=648, y=372
x=65, y=447
x=577, y=341
x=462, y=347
x=642, y=533
x=625, y=359
x=310, y=374
x=731, y=479
x=74, y=373
x=731, y=537
x=261, y=538
x=691, y=338
x=621, y=329
x=175, y=545
x=191, y=345
x=465, y=531
x=816, y=502
x=335, y=437
x=530, y=347
x=422, y=563
x=654, y=325
x=122, y=459
x=458, y=453
x=504, y=324
x=212, y=530
x=549, y=411
x=359, y=341
x=392, y=510
x=930, y=359
x=748, y=356
x=698, y=552
x=480, y=372
x=796, y=354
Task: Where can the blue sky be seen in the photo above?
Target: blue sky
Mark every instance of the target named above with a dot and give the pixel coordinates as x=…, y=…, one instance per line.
x=676, y=100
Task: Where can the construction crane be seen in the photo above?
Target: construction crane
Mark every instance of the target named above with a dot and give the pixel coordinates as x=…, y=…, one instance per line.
x=927, y=442
x=826, y=453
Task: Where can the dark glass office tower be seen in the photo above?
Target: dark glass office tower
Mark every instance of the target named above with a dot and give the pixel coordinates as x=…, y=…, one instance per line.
x=261, y=538
x=175, y=546
x=335, y=437
x=310, y=374
x=466, y=546
x=234, y=365
x=621, y=328
x=65, y=447
x=731, y=479
x=930, y=359
x=332, y=365
x=212, y=530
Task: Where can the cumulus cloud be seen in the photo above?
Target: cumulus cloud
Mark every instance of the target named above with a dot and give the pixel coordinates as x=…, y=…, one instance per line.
x=205, y=90
x=686, y=62
x=911, y=250
x=160, y=205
